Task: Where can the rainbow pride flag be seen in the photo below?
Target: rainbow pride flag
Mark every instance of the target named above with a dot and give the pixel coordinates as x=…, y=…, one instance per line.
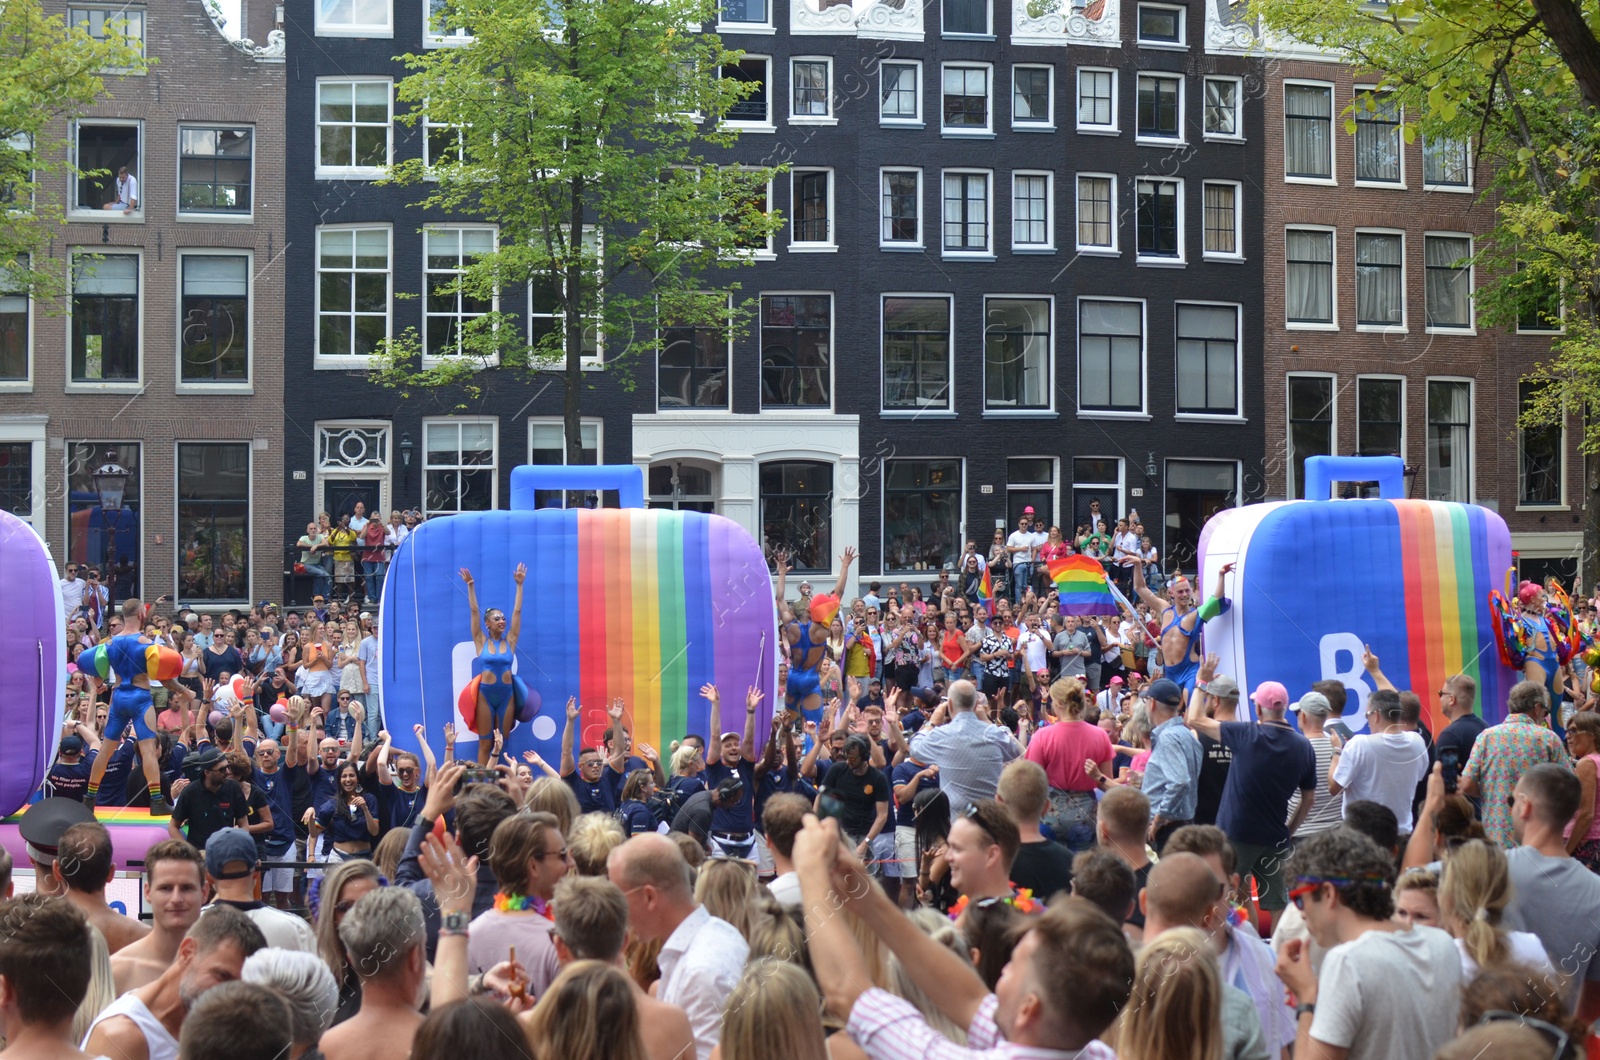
x=986, y=591
x=1081, y=586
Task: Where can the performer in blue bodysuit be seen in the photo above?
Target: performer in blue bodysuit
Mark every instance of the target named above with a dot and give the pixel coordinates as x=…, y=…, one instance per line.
x=501, y=696
x=1181, y=621
x=805, y=634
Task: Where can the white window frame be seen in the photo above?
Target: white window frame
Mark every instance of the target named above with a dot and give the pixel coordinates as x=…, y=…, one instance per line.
x=1049, y=122
x=1291, y=488
x=1093, y=248
x=346, y=361
x=1004, y=411
x=1471, y=327
x=1143, y=411
x=1180, y=138
x=1049, y=244
x=1333, y=279
x=1238, y=222
x=493, y=423
x=333, y=472
x=191, y=216
x=952, y=35
x=29, y=429
x=128, y=386
x=895, y=120
x=672, y=410
x=796, y=244
x=831, y=117
x=768, y=252
x=596, y=360
x=1181, y=44
x=1237, y=415
x=1404, y=408
x=77, y=213
x=428, y=125
x=323, y=172
x=1472, y=434
x=987, y=253
x=765, y=28
x=1114, y=128
x=948, y=409
x=1238, y=134
x=25, y=384
x=922, y=210
x=374, y=30
x=494, y=306
x=430, y=39
x=1399, y=133
x=114, y=9
x=250, y=512
x=247, y=386
x=1162, y=261
x=1457, y=189
x=1332, y=179
x=583, y=421
x=883, y=504
x=959, y=131
x=1120, y=486
x=1405, y=294
x=765, y=124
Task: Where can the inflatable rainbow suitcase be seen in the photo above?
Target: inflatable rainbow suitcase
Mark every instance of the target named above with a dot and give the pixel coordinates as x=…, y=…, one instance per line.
x=1315, y=580
x=33, y=656
x=641, y=605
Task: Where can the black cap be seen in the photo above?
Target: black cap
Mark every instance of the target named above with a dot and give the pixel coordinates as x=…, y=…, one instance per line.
x=45, y=821
x=72, y=745
x=201, y=761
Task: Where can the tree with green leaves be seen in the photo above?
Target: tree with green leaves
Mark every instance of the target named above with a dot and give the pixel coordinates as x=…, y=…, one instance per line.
x=1520, y=81
x=49, y=72
x=591, y=134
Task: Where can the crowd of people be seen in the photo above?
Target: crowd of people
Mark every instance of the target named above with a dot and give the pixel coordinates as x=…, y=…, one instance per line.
x=1003, y=833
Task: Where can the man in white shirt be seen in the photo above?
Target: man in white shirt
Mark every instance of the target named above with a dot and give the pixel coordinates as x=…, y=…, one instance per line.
x=71, y=591
x=358, y=520
x=1384, y=765
x=1125, y=554
x=702, y=957
x=232, y=865
x=127, y=189
x=1023, y=544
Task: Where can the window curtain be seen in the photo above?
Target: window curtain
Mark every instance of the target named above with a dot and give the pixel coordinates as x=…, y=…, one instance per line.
x=1378, y=298
x=1449, y=442
x=1307, y=116
x=1449, y=282
x=1310, y=286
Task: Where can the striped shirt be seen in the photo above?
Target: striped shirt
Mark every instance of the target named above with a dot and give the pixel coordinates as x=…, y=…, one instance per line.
x=890, y=1028
x=1327, y=811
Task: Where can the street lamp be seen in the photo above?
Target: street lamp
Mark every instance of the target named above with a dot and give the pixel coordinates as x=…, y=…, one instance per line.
x=111, y=482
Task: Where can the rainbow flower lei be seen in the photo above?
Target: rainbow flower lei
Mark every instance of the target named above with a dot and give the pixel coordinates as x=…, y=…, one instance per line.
x=521, y=903
x=1021, y=900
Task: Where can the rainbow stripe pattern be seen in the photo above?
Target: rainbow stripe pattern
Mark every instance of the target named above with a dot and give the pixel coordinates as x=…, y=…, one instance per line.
x=1081, y=586
x=641, y=606
x=986, y=590
x=160, y=663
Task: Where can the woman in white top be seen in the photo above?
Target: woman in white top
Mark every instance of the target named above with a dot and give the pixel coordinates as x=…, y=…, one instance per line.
x=1473, y=896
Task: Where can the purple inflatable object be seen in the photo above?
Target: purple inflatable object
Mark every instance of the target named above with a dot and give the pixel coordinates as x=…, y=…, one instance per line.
x=33, y=673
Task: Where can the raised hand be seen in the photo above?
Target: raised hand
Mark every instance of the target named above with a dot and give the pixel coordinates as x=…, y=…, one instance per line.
x=453, y=875
x=648, y=753
x=849, y=556
x=419, y=729
x=752, y=698
x=616, y=709
x=709, y=691
x=449, y=732
x=466, y=576
x=520, y=573
x=572, y=708
x=384, y=737
x=532, y=758
x=1208, y=669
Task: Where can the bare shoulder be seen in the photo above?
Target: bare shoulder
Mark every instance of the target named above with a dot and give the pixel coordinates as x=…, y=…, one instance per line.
x=667, y=1032
x=118, y=1036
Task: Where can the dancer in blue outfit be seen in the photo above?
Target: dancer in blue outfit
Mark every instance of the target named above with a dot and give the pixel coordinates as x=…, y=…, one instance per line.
x=498, y=696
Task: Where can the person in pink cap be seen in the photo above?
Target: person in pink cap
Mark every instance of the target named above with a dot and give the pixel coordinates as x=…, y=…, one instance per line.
x=1271, y=761
x=1023, y=546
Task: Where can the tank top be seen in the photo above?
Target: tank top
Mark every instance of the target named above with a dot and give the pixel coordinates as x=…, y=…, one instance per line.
x=1594, y=824
x=162, y=1046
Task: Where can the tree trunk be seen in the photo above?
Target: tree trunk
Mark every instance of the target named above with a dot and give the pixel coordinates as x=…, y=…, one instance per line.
x=1565, y=24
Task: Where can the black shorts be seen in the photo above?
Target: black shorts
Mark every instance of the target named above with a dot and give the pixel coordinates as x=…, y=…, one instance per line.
x=993, y=684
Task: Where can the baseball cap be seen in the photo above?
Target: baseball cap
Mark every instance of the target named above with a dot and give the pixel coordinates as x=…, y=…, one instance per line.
x=1163, y=690
x=1225, y=687
x=319, y=599
x=71, y=745
x=735, y=735
x=1117, y=680
x=1315, y=704
x=228, y=845
x=1270, y=695
x=1028, y=510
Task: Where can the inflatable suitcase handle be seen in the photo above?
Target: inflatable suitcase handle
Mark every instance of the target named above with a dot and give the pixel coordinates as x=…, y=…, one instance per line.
x=626, y=479
x=1389, y=472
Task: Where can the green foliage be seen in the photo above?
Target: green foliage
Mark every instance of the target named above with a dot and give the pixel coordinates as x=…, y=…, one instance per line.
x=49, y=72
x=587, y=131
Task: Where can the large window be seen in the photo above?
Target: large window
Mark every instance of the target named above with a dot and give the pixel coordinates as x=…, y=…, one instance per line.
x=458, y=466
x=447, y=254
x=899, y=92
x=353, y=287
x=1377, y=117
x=1447, y=265
x=813, y=207
x=1310, y=426
x=1538, y=300
x=443, y=143
x=1097, y=100
x=1032, y=97
x=1158, y=217
x=1017, y=353
x=354, y=18
x=1446, y=163
x=966, y=99
x=16, y=318
x=1222, y=218
x=796, y=350
x=1380, y=416
x=546, y=318
x=110, y=159
x=921, y=514
x=124, y=22
x=1110, y=356
x=750, y=11
x=1308, y=131
x=16, y=480
x=108, y=542
x=1031, y=201
x=810, y=90
x=1097, y=212
x=353, y=138
x=1208, y=359
x=214, y=170
x=966, y=16
x=797, y=513
x=966, y=213
x=213, y=521
x=1380, y=278
x=1308, y=294
x=105, y=318
x=901, y=210
x=1539, y=482
x=1450, y=440
x=693, y=368
x=1031, y=483
x=215, y=336
x=756, y=107
x=1222, y=107
x=916, y=352
x=547, y=447
x=681, y=487
x=1160, y=107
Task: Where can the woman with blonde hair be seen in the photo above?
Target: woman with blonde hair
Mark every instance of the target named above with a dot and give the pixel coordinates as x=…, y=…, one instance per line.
x=553, y=796
x=688, y=770
x=337, y=891
x=591, y=839
x=728, y=889
x=775, y=1002
x=1062, y=749
x=1473, y=896
x=1175, y=1010
x=1416, y=898
x=587, y=1014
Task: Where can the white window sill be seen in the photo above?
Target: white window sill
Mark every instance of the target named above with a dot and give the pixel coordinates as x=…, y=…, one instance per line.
x=1464, y=332
x=1019, y=414
x=965, y=134
x=116, y=217
x=746, y=27
x=1109, y=415
x=90, y=387
x=966, y=36
x=349, y=173
x=751, y=126
x=1306, y=325
x=1225, y=259
x=900, y=123
x=16, y=386
x=1382, y=329
x=1543, y=508
x=1160, y=263
x=1450, y=189
x=797, y=411
x=323, y=363
x=1100, y=252
x=362, y=32
x=435, y=362
x=1326, y=182
x=1033, y=127
x=959, y=255
x=751, y=255
x=1035, y=249
x=215, y=388
x=1540, y=331
x=1386, y=185
x=1099, y=130
x=902, y=248
x=1163, y=45
x=693, y=410
x=1224, y=138
x=813, y=248
x=813, y=120
x=192, y=217
x=1160, y=141
x=914, y=414
x=1209, y=417
x=434, y=41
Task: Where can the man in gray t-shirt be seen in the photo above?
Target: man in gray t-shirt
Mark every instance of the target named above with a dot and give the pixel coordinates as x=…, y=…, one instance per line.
x=1074, y=642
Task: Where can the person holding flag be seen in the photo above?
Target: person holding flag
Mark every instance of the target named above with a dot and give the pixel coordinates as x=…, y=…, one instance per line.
x=1181, y=621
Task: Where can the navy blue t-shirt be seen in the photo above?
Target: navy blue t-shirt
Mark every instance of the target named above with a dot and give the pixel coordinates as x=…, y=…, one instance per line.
x=741, y=816
x=277, y=788
x=400, y=809
x=114, y=785
x=71, y=781
x=322, y=784
x=598, y=797
x=635, y=817
x=902, y=774
x=686, y=786
x=347, y=824
x=1270, y=763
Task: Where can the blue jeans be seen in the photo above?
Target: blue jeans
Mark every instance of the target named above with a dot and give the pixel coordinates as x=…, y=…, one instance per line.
x=373, y=571
x=374, y=719
x=321, y=580
x=1021, y=578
